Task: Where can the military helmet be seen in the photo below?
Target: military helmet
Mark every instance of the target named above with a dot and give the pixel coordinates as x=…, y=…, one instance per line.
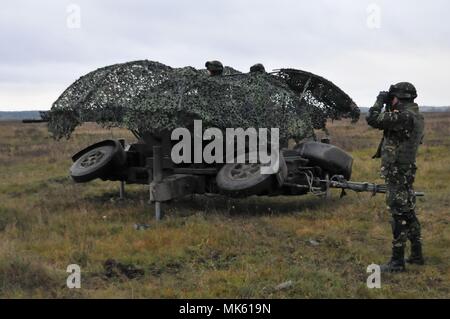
x=257, y=68
x=214, y=66
x=403, y=90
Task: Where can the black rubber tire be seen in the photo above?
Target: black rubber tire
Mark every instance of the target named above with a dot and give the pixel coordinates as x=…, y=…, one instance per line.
x=330, y=158
x=97, y=161
x=254, y=184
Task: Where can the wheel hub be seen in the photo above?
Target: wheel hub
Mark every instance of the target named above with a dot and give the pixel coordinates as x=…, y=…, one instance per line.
x=92, y=159
x=244, y=171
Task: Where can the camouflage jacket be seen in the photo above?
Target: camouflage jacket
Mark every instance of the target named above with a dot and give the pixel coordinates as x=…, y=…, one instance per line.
x=402, y=134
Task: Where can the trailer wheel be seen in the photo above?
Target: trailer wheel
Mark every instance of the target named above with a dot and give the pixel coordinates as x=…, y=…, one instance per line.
x=97, y=161
x=240, y=180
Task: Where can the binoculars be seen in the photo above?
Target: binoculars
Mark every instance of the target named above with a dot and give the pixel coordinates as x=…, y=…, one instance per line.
x=386, y=97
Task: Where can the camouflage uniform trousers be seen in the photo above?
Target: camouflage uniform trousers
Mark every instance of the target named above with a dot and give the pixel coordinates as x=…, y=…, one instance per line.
x=401, y=200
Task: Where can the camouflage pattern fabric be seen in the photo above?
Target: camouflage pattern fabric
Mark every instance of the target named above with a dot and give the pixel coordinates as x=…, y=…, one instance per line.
x=323, y=99
x=148, y=97
x=403, y=133
x=401, y=200
x=403, y=90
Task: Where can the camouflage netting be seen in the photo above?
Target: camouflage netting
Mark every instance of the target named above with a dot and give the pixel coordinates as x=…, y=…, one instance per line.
x=323, y=98
x=146, y=96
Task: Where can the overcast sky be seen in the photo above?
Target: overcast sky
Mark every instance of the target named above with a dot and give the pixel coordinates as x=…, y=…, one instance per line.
x=362, y=46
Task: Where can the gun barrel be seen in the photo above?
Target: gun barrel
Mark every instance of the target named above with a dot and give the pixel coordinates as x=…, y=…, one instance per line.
x=340, y=182
x=34, y=121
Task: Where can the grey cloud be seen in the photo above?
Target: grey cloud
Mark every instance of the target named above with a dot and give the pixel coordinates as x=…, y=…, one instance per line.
x=327, y=37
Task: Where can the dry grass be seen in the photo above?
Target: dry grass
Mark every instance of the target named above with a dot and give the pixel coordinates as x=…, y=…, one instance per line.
x=209, y=247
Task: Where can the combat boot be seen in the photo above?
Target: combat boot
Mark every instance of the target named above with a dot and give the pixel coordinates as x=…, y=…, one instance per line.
x=416, y=256
x=397, y=262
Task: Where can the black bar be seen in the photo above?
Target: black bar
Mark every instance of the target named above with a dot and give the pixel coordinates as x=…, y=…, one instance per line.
x=27, y=121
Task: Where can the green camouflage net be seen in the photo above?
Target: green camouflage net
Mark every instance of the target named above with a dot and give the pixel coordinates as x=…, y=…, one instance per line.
x=324, y=99
x=150, y=97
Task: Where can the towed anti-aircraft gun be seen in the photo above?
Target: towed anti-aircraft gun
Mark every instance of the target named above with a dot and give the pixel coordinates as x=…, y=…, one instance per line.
x=152, y=99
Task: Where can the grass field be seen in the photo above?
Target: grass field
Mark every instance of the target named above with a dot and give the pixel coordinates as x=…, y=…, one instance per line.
x=210, y=246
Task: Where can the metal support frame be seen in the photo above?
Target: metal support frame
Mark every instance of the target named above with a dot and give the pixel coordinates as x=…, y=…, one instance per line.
x=122, y=190
x=157, y=177
x=122, y=183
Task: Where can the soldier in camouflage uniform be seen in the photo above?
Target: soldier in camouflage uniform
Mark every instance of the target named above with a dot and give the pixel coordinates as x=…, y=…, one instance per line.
x=257, y=68
x=214, y=68
x=403, y=128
